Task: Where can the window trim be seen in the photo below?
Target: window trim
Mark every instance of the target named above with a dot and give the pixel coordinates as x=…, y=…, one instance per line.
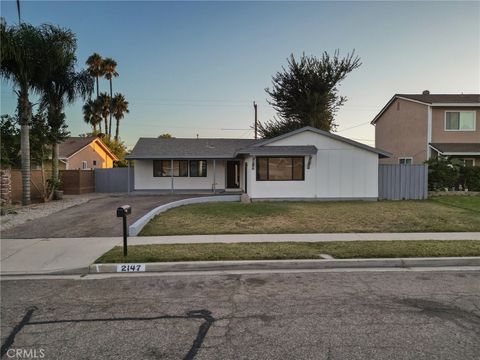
x=460, y=111
x=405, y=158
x=197, y=176
x=170, y=161
x=257, y=177
x=473, y=161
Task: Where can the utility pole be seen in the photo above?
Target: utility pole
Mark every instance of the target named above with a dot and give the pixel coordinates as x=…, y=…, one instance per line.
x=256, y=124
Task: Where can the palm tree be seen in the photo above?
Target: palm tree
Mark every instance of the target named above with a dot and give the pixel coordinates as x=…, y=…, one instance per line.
x=62, y=85
x=109, y=67
x=104, y=104
x=119, y=109
x=95, y=68
x=92, y=114
x=21, y=47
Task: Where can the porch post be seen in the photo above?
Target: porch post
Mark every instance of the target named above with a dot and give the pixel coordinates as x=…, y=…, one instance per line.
x=128, y=177
x=171, y=174
x=214, y=176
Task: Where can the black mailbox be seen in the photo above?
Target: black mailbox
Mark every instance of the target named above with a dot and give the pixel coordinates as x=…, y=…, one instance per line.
x=124, y=210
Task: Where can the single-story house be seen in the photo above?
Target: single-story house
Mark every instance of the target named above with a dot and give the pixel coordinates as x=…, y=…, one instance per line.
x=85, y=153
x=304, y=164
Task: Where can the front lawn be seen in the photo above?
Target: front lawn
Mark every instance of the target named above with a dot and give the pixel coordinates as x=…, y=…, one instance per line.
x=439, y=215
x=291, y=250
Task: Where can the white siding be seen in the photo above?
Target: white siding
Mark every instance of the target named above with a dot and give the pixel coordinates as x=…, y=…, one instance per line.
x=144, y=179
x=338, y=171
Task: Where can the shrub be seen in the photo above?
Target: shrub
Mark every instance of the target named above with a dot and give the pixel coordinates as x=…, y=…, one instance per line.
x=442, y=173
x=471, y=177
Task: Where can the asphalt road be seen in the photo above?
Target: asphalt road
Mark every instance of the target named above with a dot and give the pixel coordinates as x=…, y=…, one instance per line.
x=322, y=315
x=92, y=219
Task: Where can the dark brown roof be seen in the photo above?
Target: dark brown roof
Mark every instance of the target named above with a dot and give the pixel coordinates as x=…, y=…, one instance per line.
x=444, y=98
x=72, y=144
x=460, y=148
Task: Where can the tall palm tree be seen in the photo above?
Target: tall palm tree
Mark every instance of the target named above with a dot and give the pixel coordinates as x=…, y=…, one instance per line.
x=109, y=67
x=95, y=68
x=92, y=114
x=62, y=85
x=104, y=104
x=21, y=47
x=119, y=109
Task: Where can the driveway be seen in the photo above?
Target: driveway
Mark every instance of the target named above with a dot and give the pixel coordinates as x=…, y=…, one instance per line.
x=96, y=218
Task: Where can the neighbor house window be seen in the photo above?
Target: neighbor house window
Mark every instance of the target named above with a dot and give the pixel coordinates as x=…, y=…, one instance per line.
x=469, y=162
x=84, y=165
x=460, y=120
x=163, y=168
x=280, y=168
x=405, y=161
x=94, y=162
x=198, y=168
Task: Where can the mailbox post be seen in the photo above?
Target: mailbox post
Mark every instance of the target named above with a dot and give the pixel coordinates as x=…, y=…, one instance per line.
x=122, y=212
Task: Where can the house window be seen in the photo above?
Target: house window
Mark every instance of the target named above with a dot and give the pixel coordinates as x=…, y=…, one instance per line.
x=460, y=120
x=469, y=162
x=280, y=168
x=84, y=165
x=163, y=168
x=198, y=168
x=94, y=162
x=405, y=161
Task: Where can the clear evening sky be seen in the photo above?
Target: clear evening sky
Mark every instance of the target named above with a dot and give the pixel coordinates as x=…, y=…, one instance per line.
x=192, y=68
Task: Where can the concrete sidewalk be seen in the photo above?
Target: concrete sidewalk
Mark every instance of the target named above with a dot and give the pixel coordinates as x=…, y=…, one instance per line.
x=26, y=256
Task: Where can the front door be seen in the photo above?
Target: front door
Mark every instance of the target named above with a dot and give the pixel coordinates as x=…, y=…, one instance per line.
x=233, y=174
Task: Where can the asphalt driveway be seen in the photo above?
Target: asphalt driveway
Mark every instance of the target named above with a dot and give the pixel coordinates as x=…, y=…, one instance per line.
x=92, y=219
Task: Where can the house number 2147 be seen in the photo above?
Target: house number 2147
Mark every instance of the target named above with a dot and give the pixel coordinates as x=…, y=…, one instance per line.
x=130, y=267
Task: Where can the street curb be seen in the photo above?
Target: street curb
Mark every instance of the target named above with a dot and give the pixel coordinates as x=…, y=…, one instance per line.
x=138, y=225
x=295, y=264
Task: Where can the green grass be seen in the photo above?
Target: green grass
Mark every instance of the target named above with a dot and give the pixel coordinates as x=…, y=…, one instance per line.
x=452, y=213
x=463, y=202
x=291, y=250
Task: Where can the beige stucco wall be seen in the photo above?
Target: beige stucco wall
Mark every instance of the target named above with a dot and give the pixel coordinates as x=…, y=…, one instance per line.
x=439, y=135
x=403, y=131
x=90, y=153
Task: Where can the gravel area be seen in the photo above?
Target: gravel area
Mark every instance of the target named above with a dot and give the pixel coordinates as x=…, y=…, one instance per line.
x=34, y=211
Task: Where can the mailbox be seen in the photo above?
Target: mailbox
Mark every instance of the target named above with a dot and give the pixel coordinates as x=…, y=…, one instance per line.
x=124, y=210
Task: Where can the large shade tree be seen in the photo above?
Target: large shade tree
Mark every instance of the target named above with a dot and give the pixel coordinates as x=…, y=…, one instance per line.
x=22, y=59
x=62, y=85
x=306, y=93
x=109, y=68
x=119, y=109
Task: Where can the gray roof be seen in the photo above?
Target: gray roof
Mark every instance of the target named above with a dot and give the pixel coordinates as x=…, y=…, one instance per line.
x=457, y=148
x=443, y=98
x=279, y=150
x=180, y=148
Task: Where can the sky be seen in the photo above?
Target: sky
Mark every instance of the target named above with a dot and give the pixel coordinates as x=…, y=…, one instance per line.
x=191, y=68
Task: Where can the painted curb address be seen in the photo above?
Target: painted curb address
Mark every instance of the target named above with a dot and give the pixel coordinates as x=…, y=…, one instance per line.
x=284, y=265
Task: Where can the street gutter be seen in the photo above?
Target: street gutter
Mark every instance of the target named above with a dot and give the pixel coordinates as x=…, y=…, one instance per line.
x=270, y=265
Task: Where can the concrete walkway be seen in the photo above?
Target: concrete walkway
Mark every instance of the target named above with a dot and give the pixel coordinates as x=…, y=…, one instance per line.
x=28, y=256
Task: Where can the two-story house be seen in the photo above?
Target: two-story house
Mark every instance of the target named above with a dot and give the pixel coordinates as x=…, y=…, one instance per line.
x=416, y=127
